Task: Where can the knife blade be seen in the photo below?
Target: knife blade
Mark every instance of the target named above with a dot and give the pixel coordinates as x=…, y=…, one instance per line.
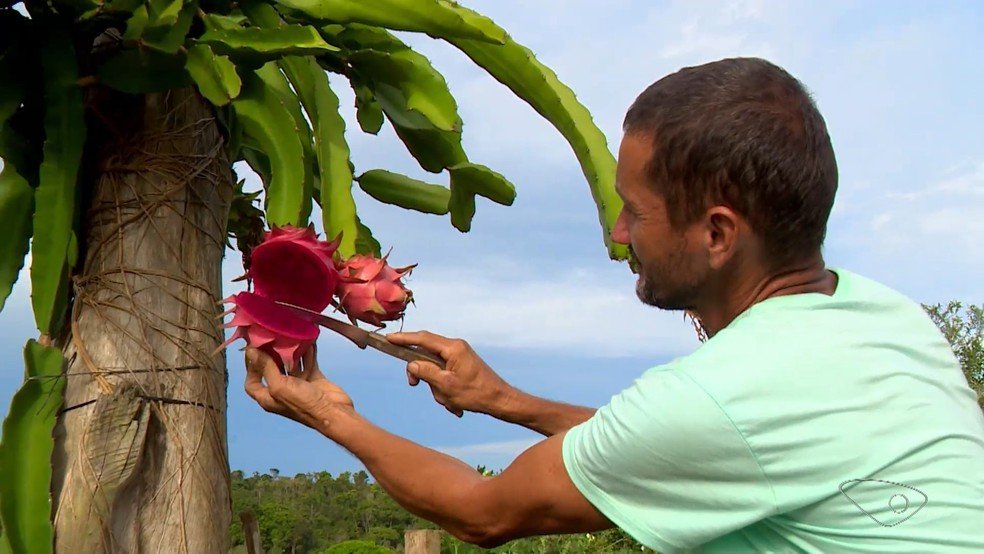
x=363, y=338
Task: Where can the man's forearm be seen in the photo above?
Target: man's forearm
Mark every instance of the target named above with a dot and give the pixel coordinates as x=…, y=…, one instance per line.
x=539, y=414
x=429, y=484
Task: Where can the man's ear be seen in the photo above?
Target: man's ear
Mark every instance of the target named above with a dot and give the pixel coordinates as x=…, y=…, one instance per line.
x=722, y=234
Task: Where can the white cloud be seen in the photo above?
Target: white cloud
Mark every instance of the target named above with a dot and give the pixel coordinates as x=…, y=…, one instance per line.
x=961, y=180
x=710, y=31
x=581, y=311
x=495, y=455
x=509, y=449
x=948, y=212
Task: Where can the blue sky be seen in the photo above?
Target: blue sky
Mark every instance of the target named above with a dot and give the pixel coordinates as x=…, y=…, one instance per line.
x=531, y=286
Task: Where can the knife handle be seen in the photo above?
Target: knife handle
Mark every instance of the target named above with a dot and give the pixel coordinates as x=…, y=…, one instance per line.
x=405, y=353
x=422, y=354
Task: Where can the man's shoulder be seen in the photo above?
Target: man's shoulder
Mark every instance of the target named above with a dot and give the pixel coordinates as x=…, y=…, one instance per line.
x=793, y=324
x=816, y=345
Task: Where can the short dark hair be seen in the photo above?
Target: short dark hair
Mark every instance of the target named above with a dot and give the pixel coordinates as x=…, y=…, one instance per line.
x=745, y=133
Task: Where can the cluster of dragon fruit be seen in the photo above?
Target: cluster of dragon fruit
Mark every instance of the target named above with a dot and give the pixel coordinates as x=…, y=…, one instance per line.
x=292, y=265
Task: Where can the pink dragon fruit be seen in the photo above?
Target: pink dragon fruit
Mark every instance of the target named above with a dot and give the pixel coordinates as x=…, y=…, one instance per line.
x=371, y=290
x=270, y=327
x=290, y=265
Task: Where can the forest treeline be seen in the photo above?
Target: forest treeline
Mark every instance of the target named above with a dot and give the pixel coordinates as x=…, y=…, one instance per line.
x=350, y=514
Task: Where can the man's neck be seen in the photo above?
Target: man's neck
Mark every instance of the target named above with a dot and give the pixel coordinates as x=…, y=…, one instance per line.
x=746, y=288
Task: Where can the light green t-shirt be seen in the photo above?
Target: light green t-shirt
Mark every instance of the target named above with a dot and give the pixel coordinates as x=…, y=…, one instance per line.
x=811, y=423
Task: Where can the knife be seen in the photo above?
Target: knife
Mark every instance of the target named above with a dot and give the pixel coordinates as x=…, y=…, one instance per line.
x=363, y=338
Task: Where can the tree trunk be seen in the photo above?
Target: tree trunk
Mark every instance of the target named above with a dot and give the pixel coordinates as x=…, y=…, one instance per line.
x=141, y=461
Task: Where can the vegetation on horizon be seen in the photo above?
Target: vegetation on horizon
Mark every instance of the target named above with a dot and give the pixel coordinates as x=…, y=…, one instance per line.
x=350, y=514
x=963, y=327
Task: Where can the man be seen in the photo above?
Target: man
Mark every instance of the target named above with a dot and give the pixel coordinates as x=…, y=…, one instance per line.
x=825, y=412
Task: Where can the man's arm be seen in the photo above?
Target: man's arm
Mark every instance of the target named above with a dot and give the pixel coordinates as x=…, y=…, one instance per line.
x=468, y=383
x=539, y=414
x=533, y=496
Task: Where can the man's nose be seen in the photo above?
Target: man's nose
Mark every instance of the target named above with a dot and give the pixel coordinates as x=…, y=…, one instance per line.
x=620, y=232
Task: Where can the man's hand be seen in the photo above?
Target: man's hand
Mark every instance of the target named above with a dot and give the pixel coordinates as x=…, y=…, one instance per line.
x=305, y=396
x=468, y=383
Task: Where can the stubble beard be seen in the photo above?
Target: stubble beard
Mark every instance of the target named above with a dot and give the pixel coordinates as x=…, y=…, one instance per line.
x=679, y=297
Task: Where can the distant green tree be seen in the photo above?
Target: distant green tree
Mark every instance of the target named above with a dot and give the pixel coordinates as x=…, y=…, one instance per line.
x=612, y=541
x=384, y=536
x=963, y=328
x=317, y=512
x=277, y=522
x=357, y=547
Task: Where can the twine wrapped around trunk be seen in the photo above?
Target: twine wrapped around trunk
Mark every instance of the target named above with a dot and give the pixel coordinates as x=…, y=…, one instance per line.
x=141, y=462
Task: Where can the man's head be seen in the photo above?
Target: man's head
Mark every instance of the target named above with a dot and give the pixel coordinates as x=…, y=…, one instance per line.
x=722, y=165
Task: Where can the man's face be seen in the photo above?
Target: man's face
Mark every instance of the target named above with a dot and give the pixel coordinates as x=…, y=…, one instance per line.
x=671, y=264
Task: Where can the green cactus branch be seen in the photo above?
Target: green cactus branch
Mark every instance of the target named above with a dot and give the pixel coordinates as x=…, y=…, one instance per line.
x=263, y=66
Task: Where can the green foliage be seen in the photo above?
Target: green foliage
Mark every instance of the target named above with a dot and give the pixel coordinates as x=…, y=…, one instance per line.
x=54, y=215
x=613, y=541
x=400, y=190
x=313, y=511
x=140, y=71
x=268, y=43
x=16, y=193
x=166, y=31
x=434, y=17
x=963, y=328
x=420, y=87
x=262, y=64
x=318, y=512
x=358, y=547
x=514, y=65
x=16, y=206
x=268, y=121
x=25, y=452
x=267, y=59
x=335, y=192
x=245, y=222
x=469, y=179
x=215, y=75
x=367, y=110
x=386, y=73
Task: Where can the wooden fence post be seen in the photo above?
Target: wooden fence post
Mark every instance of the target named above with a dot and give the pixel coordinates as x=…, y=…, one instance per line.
x=252, y=532
x=422, y=541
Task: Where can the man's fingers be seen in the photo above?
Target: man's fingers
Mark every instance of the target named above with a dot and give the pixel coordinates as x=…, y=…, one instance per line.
x=254, y=384
x=263, y=398
x=426, y=371
x=412, y=379
x=253, y=364
x=258, y=361
x=446, y=402
x=312, y=371
x=258, y=392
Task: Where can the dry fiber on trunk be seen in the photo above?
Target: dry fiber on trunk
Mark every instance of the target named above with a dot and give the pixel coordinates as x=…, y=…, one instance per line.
x=141, y=462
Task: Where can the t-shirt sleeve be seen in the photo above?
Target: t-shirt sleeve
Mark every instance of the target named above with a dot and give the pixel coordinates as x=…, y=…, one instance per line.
x=665, y=463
